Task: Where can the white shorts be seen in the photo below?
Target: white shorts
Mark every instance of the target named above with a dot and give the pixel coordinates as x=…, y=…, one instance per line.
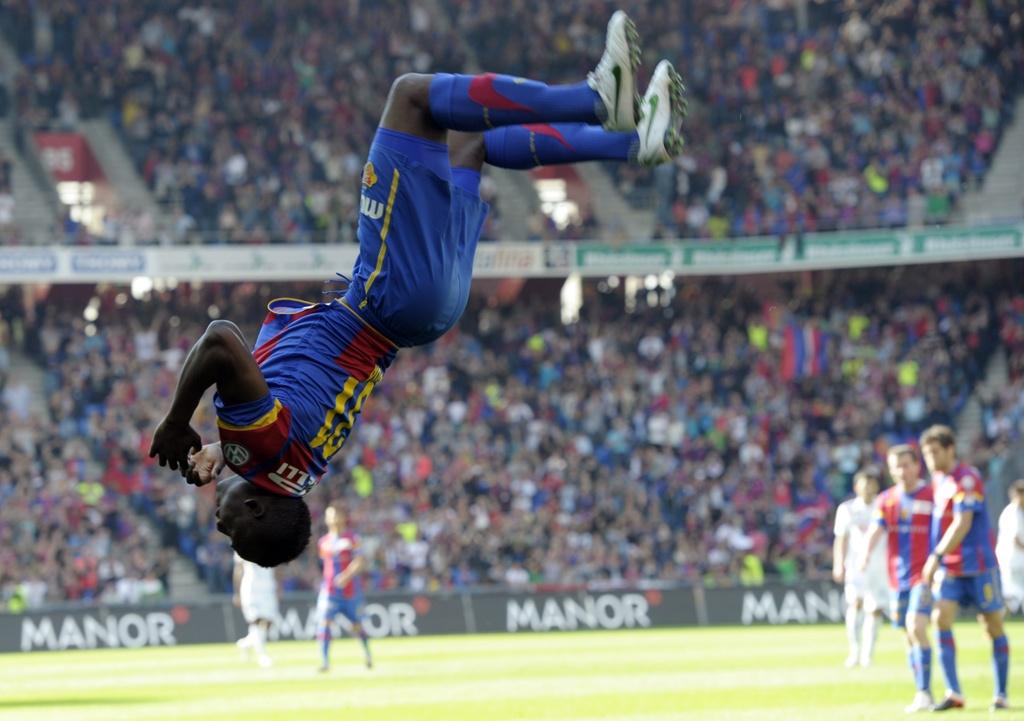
x=1013, y=582
x=259, y=606
x=871, y=589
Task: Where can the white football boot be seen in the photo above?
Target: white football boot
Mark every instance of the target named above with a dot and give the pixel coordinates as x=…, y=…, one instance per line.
x=614, y=78
x=661, y=116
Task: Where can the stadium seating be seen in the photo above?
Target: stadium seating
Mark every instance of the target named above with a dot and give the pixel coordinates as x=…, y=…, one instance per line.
x=624, y=448
x=252, y=127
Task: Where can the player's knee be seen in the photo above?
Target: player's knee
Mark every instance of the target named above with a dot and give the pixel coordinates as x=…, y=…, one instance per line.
x=221, y=332
x=993, y=624
x=411, y=88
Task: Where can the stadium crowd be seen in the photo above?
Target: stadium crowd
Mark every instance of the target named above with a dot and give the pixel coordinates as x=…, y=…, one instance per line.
x=808, y=116
x=251, y=124
x=664, y=444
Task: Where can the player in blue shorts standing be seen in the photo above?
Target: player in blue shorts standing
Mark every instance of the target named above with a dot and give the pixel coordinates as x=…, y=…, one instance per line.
x=341, y=591
x=288, y=405
x=962, y=563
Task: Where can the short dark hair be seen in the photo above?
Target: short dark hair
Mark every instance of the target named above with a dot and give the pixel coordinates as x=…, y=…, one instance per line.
x=902, y=449
x=868, y=473
x=276, y=537
x=943, y=435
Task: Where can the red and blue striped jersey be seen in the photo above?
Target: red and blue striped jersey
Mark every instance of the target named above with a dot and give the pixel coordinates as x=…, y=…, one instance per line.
x=907, y=519
x=337, y=551
x=957, y=492
x=321, y=362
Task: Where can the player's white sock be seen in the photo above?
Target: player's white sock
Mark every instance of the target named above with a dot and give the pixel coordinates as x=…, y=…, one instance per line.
x=259, y=638
x=854, y=622
x=868, y=637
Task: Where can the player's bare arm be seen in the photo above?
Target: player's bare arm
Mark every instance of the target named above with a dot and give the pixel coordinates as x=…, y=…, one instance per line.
x=839, y=549
x=219, y=358
x=949, y=542
x=876, y=535
x=356, y=567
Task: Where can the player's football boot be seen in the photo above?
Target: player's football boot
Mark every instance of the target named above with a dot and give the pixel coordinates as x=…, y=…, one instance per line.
x=662, y=111
x=999, y=704
x=922, y=702
x=244, y=648
x=952, y=701
x=265, y=661
x=614, y=78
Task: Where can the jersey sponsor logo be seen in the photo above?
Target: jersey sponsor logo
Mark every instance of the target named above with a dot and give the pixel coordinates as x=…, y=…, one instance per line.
x=291, y=479
x=371, y=208
x=369, y=176
x=921, y=507
x=235, y=454
x=967, y=483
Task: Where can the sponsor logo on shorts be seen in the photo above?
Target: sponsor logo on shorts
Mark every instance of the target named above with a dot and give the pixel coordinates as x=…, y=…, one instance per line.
x=371, y=208
x=235, y=454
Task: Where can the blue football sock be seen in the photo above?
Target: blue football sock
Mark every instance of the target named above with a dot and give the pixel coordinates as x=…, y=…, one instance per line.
x=947, y=659
x=479, y=102
x=366, y=643
x=324, y=635
x=925, y=669
x=528, y=146
x=1001, y=663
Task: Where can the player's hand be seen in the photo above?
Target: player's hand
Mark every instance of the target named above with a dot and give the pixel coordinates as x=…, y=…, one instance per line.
x=236, y=600
x=838, y=574
x=931, y=566
x=205, y=465
x=340, y=581
x=172, y=444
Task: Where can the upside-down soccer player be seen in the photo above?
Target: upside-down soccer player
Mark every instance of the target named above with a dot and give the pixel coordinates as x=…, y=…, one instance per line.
x=962, y=563
x=903, y=516
x=287, y=406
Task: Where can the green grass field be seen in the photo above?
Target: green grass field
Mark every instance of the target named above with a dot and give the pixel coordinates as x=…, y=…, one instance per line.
x=762, y=674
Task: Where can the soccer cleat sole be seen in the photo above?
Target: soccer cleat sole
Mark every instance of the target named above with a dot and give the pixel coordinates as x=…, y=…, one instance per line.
x=680, y=109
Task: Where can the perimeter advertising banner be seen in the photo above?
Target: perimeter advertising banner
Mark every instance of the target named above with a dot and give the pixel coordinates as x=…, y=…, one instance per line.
x=398, y=614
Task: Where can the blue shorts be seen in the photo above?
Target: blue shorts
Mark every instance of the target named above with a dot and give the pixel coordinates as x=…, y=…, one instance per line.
x=981, y=591
x=916, y=600
x=419, y=223
x=330, y=607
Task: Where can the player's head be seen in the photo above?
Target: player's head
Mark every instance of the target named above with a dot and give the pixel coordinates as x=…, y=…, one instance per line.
x=334, y=517
x=866, y=483
x=264, y=528
x=938, y=446
x=1017, y=492
x=904, y=467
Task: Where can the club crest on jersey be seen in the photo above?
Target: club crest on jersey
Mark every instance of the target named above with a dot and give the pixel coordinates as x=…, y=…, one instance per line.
x=369, y=176
x=235, y=454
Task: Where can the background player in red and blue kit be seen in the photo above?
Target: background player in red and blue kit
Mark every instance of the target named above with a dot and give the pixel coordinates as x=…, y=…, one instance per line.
x=963, y=562
x=288, y=405
x=904, y=514
x=341, y=591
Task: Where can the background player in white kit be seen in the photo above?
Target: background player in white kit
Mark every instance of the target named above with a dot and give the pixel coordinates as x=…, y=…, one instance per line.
x=1010, y=548
x=256, y=594
x=867, y=592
